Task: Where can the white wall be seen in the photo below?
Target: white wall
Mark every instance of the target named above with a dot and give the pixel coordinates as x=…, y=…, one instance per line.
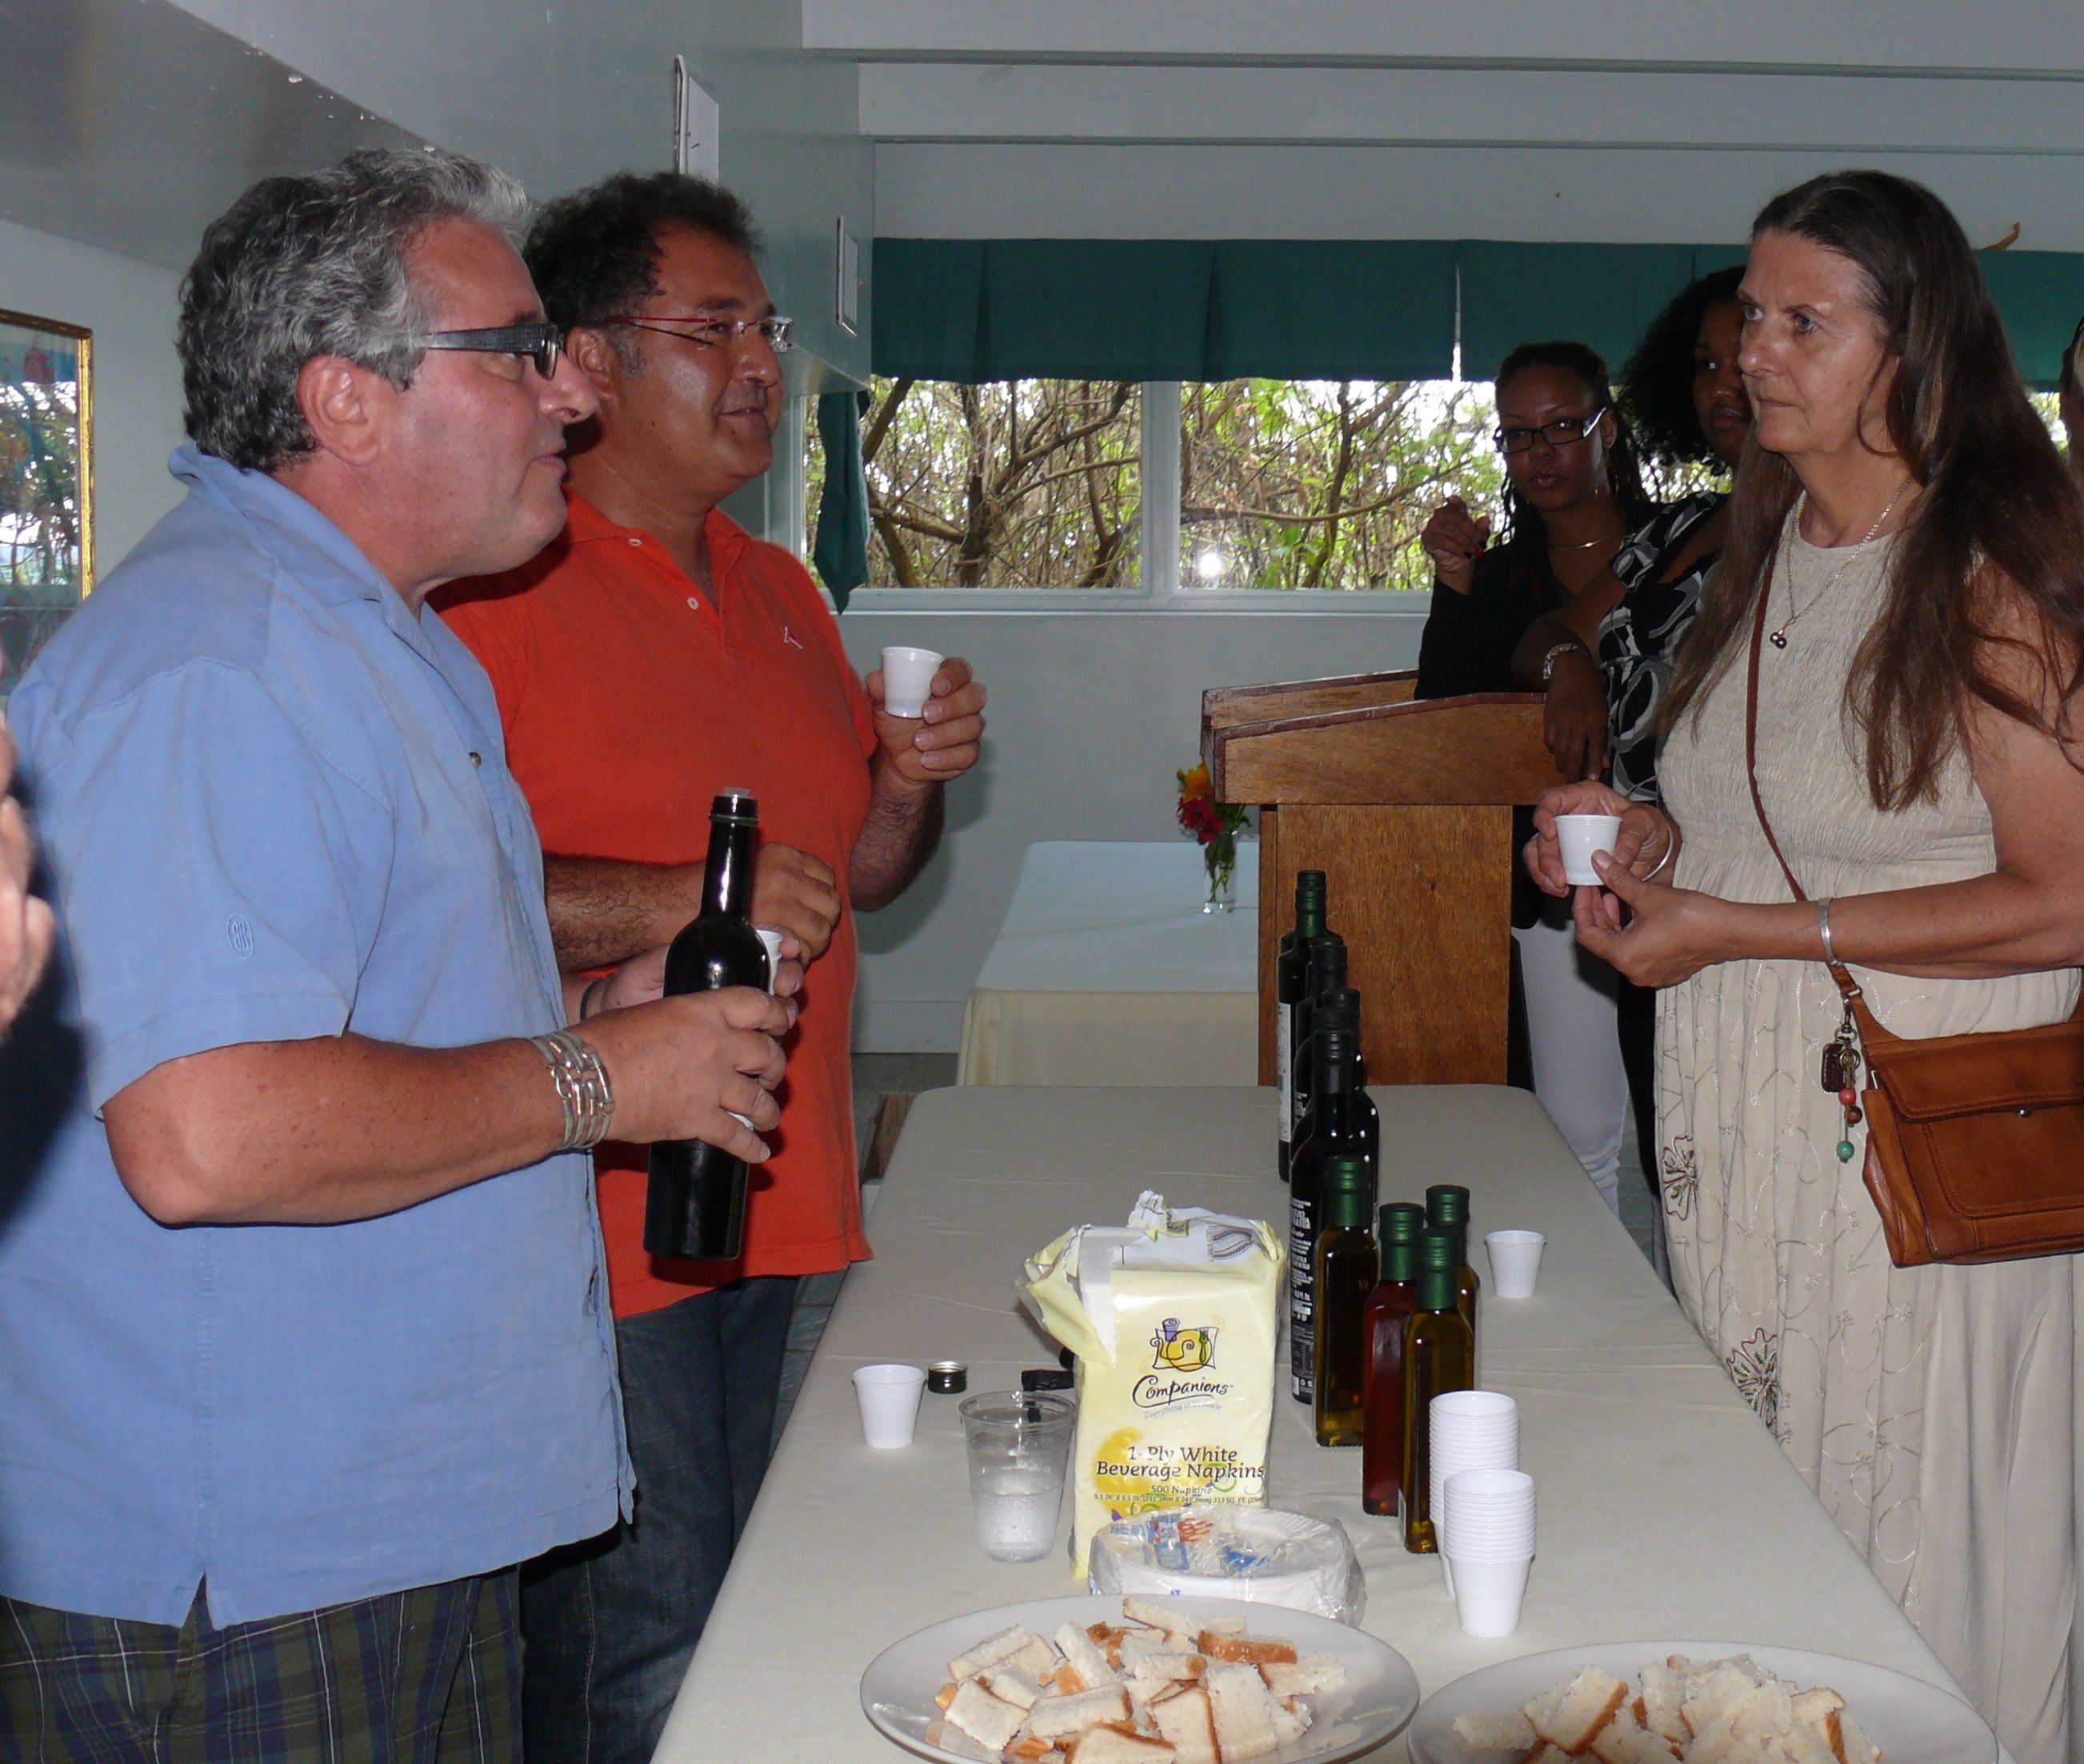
x=130, y=307
x=561, y=96
x=1091, y=714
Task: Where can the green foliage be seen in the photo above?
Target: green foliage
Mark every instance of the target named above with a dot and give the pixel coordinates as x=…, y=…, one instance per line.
x=1284, y=484
x=1022, y=484
x=1313, y=484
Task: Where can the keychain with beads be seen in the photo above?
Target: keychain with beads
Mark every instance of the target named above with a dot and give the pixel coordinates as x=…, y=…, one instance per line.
x=1841, y=1075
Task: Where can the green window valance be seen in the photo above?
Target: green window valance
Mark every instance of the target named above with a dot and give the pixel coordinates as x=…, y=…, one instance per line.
x=977, y=310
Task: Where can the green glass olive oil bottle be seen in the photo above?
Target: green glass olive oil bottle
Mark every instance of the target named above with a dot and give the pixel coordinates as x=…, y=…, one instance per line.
x=1439, y=1355
x=1389, y=1308
x=1447, y=1208
x=1345, y=1275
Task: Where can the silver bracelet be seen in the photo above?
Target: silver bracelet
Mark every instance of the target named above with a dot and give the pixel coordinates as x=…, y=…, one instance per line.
x=1548, y=660
x=1823, y=931
x=583, y=1090
x=1670, y=846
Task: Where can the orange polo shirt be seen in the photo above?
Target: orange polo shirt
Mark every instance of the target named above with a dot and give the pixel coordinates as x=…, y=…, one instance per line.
x=629, y=699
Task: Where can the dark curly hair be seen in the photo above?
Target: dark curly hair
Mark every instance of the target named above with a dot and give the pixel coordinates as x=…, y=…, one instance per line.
x=595, y=253
x=1657, y=386
x=1527, y=534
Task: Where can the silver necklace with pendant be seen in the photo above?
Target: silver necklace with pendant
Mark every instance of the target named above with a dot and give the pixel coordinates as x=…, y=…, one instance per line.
x=1778, y=638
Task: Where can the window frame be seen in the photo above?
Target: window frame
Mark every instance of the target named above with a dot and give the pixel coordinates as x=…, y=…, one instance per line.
x=1161, y=590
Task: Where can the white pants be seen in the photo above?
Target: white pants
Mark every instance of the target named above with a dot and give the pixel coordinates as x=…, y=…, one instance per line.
x=1575, y=1042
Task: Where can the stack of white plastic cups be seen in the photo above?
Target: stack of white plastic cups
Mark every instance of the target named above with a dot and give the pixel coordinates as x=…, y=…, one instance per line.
x=1487, y=1540
x=1468, y=1430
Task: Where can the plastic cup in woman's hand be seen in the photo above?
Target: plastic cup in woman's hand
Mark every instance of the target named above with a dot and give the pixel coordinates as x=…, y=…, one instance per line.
x=1581, y=836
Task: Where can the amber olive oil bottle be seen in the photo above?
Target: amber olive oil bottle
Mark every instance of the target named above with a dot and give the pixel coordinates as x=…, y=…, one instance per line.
x=1439, y=1355
x=1345, y=1276
x=1447, y=1208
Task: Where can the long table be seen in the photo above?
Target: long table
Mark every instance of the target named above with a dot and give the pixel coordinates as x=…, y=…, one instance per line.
x=1666, y=1511
x=1107, y=971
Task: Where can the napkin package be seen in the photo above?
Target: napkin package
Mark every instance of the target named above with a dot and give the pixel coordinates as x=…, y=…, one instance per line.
x=1174, y=1321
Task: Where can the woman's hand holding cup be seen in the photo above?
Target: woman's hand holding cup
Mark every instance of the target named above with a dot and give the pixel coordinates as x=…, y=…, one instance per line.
x=1644, y=844
x=1454, y=539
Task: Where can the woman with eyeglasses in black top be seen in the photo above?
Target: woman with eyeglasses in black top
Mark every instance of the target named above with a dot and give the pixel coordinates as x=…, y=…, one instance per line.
x=1573, y=493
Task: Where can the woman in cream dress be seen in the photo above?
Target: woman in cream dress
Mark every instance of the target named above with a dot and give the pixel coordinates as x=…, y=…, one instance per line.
x=1900, y=505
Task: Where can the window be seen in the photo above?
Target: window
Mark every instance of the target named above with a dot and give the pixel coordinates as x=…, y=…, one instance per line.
x=1021, y=484
x=1312, y=484
x=1319, y=487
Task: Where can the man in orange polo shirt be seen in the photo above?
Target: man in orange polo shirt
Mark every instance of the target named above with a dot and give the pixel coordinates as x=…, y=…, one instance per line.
x=653, y=654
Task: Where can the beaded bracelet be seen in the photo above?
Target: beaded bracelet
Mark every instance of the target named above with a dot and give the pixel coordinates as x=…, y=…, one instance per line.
x=583, y=1090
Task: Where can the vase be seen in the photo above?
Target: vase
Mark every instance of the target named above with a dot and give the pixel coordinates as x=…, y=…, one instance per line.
x=1220, y=859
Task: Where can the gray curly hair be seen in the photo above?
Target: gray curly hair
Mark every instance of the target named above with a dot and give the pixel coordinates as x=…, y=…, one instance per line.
x=312, y=265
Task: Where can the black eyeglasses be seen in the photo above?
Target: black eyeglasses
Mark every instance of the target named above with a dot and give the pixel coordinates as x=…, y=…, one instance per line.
x=541, y=344
x=706, y=332
x=1562, y=433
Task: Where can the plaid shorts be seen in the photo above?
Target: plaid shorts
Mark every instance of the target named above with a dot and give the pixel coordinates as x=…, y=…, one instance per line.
x=431, y=1675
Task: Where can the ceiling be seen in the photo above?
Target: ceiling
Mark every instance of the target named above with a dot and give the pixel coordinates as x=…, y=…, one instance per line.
x=130, y=125
x=1668, y=119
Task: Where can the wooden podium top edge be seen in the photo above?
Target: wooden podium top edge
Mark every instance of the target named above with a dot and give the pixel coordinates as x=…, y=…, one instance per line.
x=1326, y=719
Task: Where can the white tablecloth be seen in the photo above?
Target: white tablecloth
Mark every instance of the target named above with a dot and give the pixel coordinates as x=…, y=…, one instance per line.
x=1666, y=1511
x=1108, y=972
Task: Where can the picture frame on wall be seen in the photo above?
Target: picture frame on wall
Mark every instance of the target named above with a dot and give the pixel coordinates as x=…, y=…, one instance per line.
x=46, y=482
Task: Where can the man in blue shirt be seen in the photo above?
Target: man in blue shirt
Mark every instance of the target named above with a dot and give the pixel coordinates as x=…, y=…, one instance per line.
x=303, y=1331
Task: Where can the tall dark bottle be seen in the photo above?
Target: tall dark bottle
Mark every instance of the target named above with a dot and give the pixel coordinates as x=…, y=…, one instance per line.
x=1289, y=968
x=694, y=1205
x=1324, y=973
x=1341, y=1010
x=1337, y=1126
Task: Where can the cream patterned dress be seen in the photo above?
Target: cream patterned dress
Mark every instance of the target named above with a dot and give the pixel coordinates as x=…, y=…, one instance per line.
x=1934, y=1410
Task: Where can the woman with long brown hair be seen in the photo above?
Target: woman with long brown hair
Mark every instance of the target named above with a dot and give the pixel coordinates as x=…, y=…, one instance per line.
x=1918, y=547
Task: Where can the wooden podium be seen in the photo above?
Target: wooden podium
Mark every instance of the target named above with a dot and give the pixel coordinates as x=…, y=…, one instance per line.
x=1406, y=809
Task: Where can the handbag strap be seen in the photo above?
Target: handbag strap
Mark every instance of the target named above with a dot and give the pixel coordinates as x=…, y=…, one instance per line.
x=1848, y=988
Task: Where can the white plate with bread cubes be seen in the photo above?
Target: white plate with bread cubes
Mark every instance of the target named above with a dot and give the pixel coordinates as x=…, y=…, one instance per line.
x=1695, y=1702
x=1099, y=1680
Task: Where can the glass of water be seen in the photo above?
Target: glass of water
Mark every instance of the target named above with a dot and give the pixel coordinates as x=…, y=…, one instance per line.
x=1019, y=1444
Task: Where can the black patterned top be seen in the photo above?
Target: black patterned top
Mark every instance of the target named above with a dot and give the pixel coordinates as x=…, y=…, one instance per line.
x=1639, y=638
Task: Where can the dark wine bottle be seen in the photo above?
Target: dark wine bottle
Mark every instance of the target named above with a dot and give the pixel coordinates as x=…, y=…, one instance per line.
x=1335, y=1126
x=1324, y=973
x=1341, y=1010
x=1289, y=974
x=694, y=1205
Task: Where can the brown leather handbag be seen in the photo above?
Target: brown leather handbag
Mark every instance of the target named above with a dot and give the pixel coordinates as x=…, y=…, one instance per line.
x=1975, y=1143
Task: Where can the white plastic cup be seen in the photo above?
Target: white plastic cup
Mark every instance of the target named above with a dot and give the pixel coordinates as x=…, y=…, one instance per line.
x=770, y=940
x=1488, y=1596
x=1467, y=1429
x=908, y=680
x=1490, y=1516
x=1581, y=836
x=1516, y=1260
x=889, y=1397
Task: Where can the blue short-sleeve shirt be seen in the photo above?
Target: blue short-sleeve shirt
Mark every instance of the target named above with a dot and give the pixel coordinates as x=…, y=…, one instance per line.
x=274, y=805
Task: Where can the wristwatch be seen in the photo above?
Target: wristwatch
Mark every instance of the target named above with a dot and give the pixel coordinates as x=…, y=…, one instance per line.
x=1572, y=647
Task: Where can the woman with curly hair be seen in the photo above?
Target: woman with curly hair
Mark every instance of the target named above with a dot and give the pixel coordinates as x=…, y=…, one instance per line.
x=1573, y=492
x=1605, y=660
